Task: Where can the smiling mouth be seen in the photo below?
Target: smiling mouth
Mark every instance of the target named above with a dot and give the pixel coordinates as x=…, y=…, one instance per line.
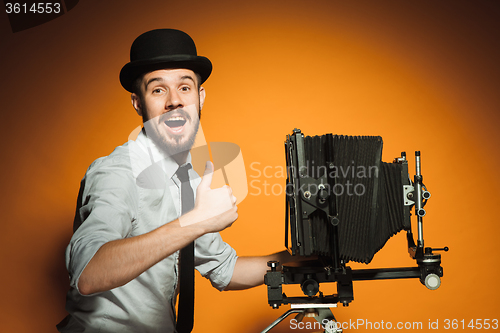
x=175, y=122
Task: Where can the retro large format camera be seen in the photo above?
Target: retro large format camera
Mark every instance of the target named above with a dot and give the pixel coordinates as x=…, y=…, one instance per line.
x=343, y=204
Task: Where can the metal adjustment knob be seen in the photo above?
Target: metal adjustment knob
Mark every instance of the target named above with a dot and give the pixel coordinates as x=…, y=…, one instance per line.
x=432, y=281
x=428, y=250
x=323, y=193
x=273, y=264
x=310, y=287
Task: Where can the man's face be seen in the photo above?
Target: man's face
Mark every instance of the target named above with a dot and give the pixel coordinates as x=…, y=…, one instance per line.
x=170, y=106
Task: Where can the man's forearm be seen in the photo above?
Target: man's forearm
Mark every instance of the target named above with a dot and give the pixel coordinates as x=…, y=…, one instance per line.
x=249, y=271
x=118, y=262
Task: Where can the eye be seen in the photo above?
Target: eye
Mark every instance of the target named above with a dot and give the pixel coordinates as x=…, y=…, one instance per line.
x=185, y=88
x=156, y=91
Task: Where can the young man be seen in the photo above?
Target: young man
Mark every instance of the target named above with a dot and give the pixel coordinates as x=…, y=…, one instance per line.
x=136, y=208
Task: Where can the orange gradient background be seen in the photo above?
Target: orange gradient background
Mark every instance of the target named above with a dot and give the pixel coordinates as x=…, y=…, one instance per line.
x=424, y=75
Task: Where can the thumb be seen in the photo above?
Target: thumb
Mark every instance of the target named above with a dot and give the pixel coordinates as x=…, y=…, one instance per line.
x=206, y=181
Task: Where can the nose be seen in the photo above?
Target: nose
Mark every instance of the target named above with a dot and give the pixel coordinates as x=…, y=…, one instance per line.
x=173, y=101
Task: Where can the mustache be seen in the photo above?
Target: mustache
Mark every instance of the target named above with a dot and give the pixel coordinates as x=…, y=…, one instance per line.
x=175, y=113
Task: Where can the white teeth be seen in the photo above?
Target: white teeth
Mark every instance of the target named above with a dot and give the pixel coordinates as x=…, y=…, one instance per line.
x=175, y=118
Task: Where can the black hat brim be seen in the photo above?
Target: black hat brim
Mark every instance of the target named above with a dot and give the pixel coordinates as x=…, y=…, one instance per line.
x=131, y=71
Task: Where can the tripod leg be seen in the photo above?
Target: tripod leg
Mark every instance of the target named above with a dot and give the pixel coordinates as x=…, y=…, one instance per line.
x=326, y=318
x=283, y=316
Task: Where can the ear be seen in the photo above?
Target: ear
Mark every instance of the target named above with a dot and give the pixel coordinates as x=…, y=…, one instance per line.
x=136, y=102
x=202, y=97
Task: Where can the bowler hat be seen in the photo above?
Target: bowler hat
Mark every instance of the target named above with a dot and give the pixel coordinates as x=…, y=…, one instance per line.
x=163, y=48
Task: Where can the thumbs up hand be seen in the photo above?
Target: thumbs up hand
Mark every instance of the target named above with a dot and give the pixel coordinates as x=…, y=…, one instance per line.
x=215, y=208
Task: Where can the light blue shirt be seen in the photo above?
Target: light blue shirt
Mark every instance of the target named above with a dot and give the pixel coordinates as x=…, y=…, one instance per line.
x=132, y=191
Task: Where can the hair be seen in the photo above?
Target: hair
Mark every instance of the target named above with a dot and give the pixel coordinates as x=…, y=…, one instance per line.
x=136, y=86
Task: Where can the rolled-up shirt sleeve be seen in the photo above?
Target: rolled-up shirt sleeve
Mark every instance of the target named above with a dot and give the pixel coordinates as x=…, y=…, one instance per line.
x=105, y=212
x=215, y=259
